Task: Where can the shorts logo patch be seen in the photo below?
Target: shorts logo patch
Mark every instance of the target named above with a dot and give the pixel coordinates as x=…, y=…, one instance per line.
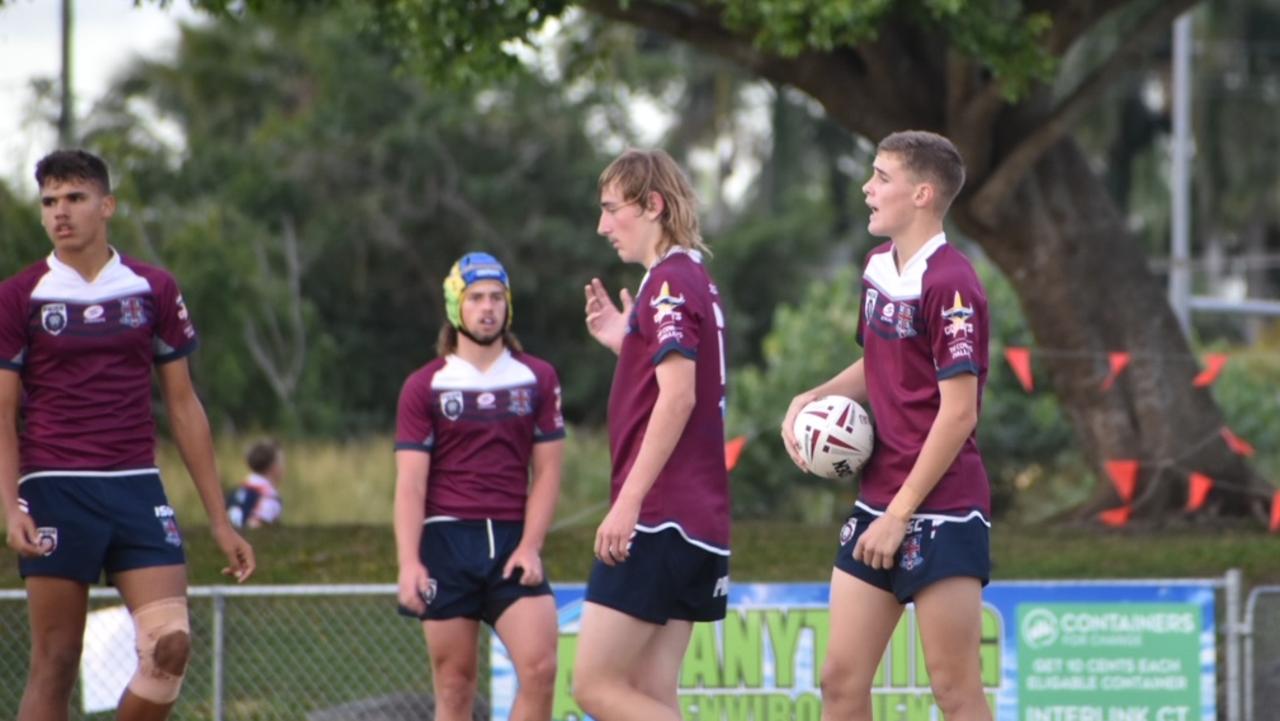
x=53, y=317
x=451, y=404
x=911, y=558
x=429, y=595
x=47, y=540
x=847, y=530
x=169, y=523
x=722, y=587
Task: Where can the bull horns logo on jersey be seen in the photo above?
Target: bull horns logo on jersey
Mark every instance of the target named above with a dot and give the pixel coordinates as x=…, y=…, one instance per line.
x=53, y=317
x=665, y=305
x=957, y=317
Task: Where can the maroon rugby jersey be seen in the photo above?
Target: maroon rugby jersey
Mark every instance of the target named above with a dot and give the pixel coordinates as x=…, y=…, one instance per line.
x=677, y=310
x=917, y=328
x=85, y=350
x=479, y=428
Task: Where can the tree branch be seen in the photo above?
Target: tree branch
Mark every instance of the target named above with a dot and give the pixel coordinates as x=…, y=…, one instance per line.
x=839, y=79
x=1051, y=129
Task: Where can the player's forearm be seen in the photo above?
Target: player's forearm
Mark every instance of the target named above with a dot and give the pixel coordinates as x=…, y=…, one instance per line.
x=544, y=491
x=850, y=383
x=670, y=414
x=190, y=427
x=951, y=428
x=8, y=465
x=409, y=513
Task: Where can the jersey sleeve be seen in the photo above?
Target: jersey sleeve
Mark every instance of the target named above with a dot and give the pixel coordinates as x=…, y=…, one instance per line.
x=14, y=307
x=174, y=334
x=549, y=423
x=956, y=309
x=670, y=317
x=414, y=428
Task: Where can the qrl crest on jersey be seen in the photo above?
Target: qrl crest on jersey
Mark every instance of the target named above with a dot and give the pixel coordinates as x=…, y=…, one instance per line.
x=521, y=401
x=131, y=312
x=451, y=404
x=53, y=317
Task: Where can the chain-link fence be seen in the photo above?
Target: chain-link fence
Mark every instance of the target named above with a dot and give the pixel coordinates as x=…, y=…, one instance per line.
x=1262, y=654
x=316, y=653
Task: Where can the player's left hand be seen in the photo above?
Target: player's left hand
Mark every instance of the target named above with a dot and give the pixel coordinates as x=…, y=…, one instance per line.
x=613, y=537
x=528, y=561
x=238, y=552
x=878, y=546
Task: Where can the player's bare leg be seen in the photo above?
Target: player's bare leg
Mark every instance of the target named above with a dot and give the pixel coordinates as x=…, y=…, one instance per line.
x=138, y=588
x=862, y=619
x=949, y=614
x=452, y=647
x=657, y=675
x=611, y=645
x=56, y=609
x=529, y=630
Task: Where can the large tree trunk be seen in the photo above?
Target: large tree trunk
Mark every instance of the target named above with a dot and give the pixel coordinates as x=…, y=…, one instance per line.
x=1086, y=291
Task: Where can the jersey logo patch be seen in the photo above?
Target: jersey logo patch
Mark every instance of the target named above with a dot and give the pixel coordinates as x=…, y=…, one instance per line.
x=847, y=530
x=665, y=305
x=131, y=312
x=957, y=317
x=451, y=404
x=906, y=321
x=521, y=401
x=53, y=317
x=869, y=307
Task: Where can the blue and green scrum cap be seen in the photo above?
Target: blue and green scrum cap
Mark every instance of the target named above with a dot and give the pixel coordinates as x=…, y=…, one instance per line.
x=470, y=268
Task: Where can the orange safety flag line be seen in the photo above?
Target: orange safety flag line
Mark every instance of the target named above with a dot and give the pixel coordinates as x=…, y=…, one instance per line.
x=1275, y=512
x=733, y=451
x=1237, y=444
x=1124, y=476
x=1199, y=491
x=1020, y=361
x=1116, y=517
x=1118, y=361
x=1213, y=363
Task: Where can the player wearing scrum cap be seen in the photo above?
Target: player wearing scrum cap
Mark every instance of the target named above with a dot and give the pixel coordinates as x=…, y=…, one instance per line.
x=469, y=522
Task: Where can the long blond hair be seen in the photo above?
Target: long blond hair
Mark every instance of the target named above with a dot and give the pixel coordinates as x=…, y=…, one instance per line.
x=637, y=173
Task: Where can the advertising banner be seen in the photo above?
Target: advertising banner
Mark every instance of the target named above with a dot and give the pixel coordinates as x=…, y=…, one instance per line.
x=1050, y=651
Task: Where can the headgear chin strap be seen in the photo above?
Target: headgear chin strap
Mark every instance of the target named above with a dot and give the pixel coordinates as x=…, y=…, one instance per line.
x=470, y=268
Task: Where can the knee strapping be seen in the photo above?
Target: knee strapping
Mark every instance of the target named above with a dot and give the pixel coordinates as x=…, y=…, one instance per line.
x=164, y=645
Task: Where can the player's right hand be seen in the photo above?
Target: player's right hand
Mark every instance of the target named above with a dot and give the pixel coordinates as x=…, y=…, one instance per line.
x=413, y=587
x=22, y=534
x=788, y=427
x=606, y=323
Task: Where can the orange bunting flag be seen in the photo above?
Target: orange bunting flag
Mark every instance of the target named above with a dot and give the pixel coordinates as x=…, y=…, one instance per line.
x=1116, y=517
x=1199, y=491
x=1212, y=367
x=1020, y=361
x=733, y=451
x=1124, y=476
x=1118, y=361
x=1275, y=512
x=1238, y=445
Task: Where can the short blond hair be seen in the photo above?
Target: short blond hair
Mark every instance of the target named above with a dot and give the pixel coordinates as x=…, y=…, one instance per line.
x=637, y=173
x=930, y=157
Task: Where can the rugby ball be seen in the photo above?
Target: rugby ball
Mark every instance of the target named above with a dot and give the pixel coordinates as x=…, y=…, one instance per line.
x=835, y=437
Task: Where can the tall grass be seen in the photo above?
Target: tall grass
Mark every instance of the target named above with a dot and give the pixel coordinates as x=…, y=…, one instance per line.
x=352, y=481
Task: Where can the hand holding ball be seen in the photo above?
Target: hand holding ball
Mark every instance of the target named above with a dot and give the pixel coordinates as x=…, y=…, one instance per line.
x=835, y=437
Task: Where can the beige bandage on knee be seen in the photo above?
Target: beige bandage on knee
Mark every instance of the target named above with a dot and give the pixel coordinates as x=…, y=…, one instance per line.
x=164, y=645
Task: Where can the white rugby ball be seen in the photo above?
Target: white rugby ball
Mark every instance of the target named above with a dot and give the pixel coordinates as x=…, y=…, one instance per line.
x=835, y=437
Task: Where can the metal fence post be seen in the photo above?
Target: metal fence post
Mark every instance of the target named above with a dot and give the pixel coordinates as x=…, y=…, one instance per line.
x=219, y=602
x=1234, y=583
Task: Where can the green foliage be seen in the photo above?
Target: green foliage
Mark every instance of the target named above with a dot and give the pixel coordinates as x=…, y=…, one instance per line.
x=809, y=343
